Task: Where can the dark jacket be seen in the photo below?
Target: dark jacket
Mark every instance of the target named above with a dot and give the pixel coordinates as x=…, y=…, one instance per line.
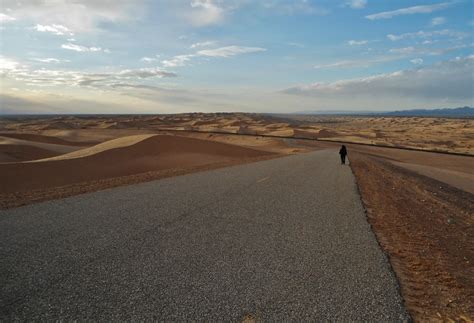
x=343, y=151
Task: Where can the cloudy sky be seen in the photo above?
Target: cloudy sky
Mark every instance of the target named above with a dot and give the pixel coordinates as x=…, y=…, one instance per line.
x=170, y=56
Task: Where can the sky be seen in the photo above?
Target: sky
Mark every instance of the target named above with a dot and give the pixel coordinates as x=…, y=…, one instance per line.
x=173, y=56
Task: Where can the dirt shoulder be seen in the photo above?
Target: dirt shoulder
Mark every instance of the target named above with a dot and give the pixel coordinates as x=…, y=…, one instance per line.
x=426, y=228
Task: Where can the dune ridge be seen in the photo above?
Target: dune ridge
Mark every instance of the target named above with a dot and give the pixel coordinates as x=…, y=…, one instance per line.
x=102, y=147
x=24, y=147
x=46, y=139
x=120, y=157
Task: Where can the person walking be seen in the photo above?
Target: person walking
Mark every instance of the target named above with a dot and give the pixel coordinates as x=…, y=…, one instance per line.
x=343, y=153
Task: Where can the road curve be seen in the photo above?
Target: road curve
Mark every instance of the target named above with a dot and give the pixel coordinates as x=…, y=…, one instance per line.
x=283, y=239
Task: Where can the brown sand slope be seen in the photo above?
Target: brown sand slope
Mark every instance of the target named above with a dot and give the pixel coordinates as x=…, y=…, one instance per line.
x=58, y=149
x=102, y=147
x=427, y=229
x=45, y=139
x=461, y=180
x=150, y=154
x=453, y=170
x=19, y=153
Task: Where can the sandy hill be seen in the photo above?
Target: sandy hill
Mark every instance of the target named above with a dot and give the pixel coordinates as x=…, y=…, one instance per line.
x=119, y=157
x=16, y=150
x=46, y=139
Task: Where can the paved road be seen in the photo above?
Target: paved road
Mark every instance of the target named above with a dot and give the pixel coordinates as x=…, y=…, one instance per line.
x=279, y=239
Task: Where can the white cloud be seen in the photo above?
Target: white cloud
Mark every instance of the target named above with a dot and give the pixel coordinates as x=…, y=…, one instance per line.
x=49, y=60
x=80, y=48
x=177, y=61
x=145, y=73
x=205, y=12
x=358, y=63
x=410, y=50
x=150, y=59
x=223, y=52
x=7, y=64
x=77, y=15
x=436, y=21
x=404, y=50
x=429, y=34
x=204, y=44
x=31, y=76
x=54, y=29
x=229, y=51
x=417, y=61
x=6, y=18
x=292, y=7
x=410, y=11
x=202, y=13
x=446, y=80
x=357, y=4
x=357, y=42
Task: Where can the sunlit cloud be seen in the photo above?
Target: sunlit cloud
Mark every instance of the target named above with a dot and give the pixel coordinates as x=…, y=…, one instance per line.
x=78, y=15
x=286, y=43
x=177, y=61
x=428, y=34
x=357, y=4
x=437, y=21
x=54, y=29
x=229, y=51
x=424, y=82
x=204, y=44
x=293, y=7
x=357, y=63
x=202, y=13
x=357, y=42
x=205, y=12
x=4, y=18
x=150, y=59
x=7, y=64
x=80, y=48
x=222, y=52
x=49, y=60
x=416, y=61
x=14, y=70
x=410, y=11
x=428, y=50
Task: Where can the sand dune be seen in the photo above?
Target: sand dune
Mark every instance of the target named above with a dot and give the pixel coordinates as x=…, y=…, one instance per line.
x=46, y=139
x=421, y=133
x=121, y=157
x=105, y=146
x=58, y=149
x=18, y=153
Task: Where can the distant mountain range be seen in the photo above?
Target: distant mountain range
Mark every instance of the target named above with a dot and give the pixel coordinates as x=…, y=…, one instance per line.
x=461, y=112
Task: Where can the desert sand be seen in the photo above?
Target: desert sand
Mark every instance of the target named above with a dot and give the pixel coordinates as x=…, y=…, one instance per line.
x=427, y=229
x=437, y=134
x=118, y=157
x=419, y=202
x=43, y=148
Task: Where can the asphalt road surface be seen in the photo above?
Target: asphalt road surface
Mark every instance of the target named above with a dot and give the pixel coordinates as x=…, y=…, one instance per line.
x=283, y=239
